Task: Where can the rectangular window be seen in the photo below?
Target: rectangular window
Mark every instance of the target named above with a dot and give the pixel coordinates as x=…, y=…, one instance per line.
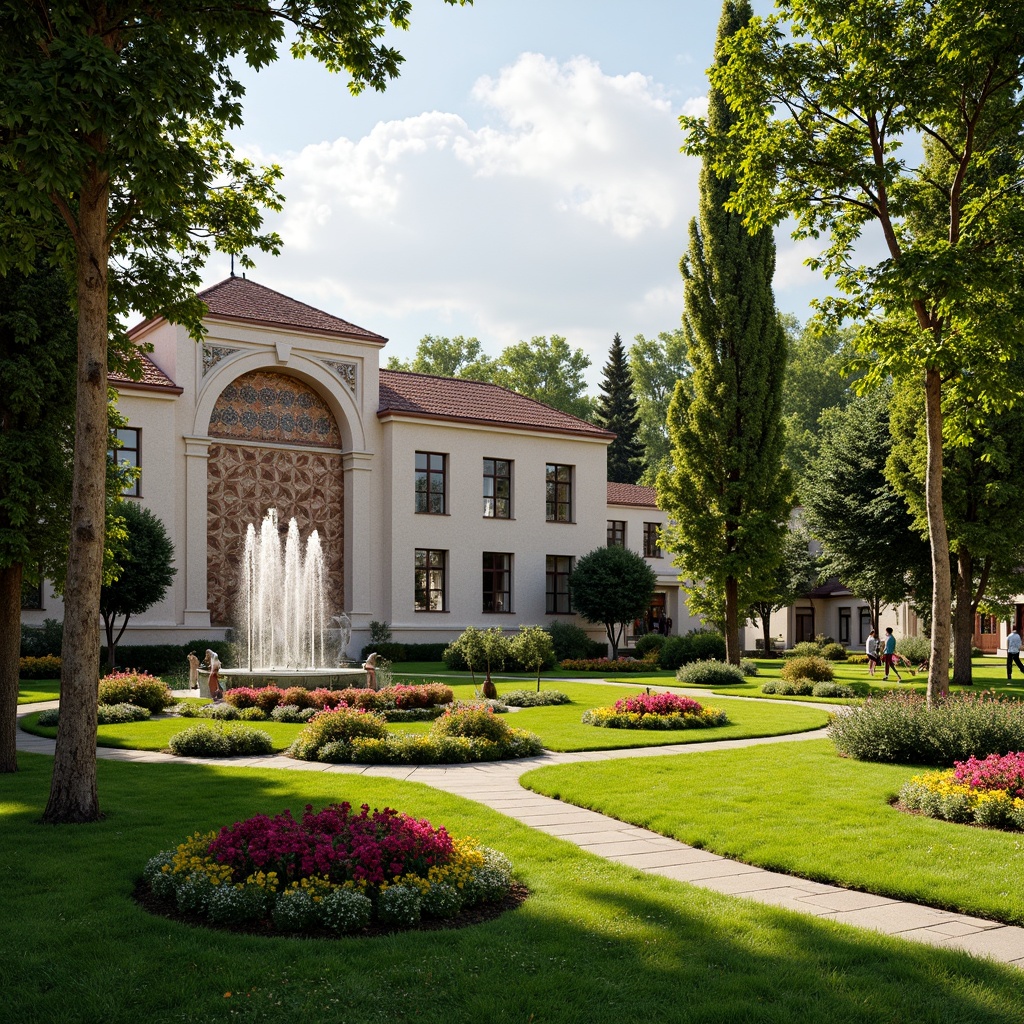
x=430, y=483
x=497, y=489
x=844, y=625
x=559, y=601
x=616, y=533
x=430, y=581
x=865, y=624
x=559, y=493
x=128, y=455
x=497, y=588
x=988, y=623
x=652, y=549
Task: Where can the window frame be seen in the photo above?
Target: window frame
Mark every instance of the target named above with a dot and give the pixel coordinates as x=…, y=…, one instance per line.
x=845, y=621
x=652, y=549
x=428, y=474
x=865, y=627
x=616, y=533
x=133, y=490
x=493, y=575
x=558, y=493
x=553, y=596
x=494, y=477
x=426, y=568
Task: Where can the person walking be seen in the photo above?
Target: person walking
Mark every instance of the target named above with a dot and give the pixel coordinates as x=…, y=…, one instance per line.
x=1013, y=653
x=889, y=654
x=871, y=647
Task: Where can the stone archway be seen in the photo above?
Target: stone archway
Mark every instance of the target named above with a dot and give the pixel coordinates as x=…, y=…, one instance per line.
x=278, y=446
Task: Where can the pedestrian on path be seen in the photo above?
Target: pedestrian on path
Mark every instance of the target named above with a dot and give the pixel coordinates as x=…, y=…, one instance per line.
x=871, y=647
x=1013, y=653
x=889, y=654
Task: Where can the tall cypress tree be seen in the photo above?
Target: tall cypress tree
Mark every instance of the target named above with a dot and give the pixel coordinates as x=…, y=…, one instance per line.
x=617, y=411
x=728, y=493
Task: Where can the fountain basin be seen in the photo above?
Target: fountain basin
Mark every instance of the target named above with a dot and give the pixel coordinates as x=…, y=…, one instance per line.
x=311, y=678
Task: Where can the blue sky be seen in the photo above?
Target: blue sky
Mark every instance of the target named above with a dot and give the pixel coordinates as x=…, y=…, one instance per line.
x=522, y=177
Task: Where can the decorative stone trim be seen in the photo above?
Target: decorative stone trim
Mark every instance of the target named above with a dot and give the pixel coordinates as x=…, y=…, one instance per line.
x=346, y=371
x=213, y=354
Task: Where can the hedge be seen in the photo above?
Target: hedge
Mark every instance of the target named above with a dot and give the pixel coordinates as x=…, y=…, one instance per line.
x=163, y=659
x=405, y=652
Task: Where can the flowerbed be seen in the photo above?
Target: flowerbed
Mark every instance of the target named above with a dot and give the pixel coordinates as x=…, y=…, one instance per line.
x=655, y=711
x=607, y=665
x=106, y=714
x=138, y=688
x=981, y=792
x=462, y=734
x=398, y=697
x=330, y=871
x=45, y=667
x=900, y=728
x=534, y=698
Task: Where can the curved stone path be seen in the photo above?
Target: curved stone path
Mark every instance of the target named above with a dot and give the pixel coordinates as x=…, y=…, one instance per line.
x=496, y=785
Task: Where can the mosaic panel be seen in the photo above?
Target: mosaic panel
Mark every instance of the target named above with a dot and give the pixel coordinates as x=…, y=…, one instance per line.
x=213, y=354
x=262, y=406
x=242, y=483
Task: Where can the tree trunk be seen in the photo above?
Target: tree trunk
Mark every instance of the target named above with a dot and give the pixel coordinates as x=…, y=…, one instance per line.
x=938, y=662
x=73, y=796
x=10, y=654
x=732, y=625
x=765, y=611
x=963, y=620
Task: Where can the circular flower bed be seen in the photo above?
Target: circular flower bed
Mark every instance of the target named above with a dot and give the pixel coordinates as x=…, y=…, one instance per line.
x=333, y=870
x=976, y=792
x=655, y=711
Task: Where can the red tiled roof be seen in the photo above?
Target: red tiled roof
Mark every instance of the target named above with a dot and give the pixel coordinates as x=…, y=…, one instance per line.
x=472, y=401
x=631, y=494
x=245, y=301
x=153, y=378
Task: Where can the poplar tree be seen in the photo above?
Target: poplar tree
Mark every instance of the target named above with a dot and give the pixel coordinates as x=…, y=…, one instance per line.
x=617, y=411
x=728, y=493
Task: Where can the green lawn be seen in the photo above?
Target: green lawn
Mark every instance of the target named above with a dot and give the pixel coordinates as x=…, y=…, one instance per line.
x=31, y=691
x=596, y=942
x=801, y=809
x=559, y=727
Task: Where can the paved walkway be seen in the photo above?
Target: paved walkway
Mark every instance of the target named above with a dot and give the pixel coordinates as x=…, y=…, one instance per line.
x=496, y=785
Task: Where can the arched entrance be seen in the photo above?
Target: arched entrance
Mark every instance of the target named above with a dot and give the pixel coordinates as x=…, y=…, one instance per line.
x=278, y=446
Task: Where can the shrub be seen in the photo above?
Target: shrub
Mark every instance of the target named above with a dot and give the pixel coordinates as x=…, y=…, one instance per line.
x=710, y=673
x=164, y=659
x=138, y=688
x=531, y=699
x=649, y=642
x=252, y=715
x=675, y=652
x=297, y=695
x=49, y=717
x=46, y=666
x=404, y=652
x=748, y=667
x=118, y=714
x=815, y=668
x=570, y=641
x=266, y=698
x=900, y=728
x=475, y=723
x=42, y=641
x=331, y=869
x=789, y=687
x=833, y=690
x=804, y=649
x=292, y=713
x=706, y=644
x=380, y=632
x=834, y=652
x=915, y=649
x=220, y=741
x=856, y=659
x=606, y=665
x=340, y=726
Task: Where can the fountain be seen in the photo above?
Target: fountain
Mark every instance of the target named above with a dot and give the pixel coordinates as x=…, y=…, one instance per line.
x=283, y=636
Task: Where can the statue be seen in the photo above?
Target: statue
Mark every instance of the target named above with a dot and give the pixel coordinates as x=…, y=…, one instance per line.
x=370, y=667
x=193, y=671
x=212, y=662
x=343, y=624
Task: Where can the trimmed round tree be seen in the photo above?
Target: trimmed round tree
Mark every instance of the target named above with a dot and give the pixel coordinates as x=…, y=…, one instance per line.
x=612, y=586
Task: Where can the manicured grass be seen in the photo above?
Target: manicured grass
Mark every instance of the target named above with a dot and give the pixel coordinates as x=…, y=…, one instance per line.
x=436, y=668
x=31, y=691
x=801, y=809
x=559, y=727
x=596, y=942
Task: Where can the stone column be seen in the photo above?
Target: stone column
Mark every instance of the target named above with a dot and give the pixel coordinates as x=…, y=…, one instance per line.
x=197, y=453
x=359, y=537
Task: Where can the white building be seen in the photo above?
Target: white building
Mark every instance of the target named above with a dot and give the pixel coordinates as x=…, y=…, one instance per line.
x=440, y=503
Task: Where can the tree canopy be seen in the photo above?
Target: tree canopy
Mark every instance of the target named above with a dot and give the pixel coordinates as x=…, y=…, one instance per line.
x=613, y=586
x=831, y=103
x=616, y=410
x=655, y=365
x=448, y=357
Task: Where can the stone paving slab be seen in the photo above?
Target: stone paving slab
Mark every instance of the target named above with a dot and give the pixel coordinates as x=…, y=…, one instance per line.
x=895, y=918
x=703, y=869
x=750, y=883
x=848, y=899
x=679, y=854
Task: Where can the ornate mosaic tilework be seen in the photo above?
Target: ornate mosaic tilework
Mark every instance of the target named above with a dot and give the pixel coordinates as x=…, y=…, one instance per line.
x=213, y=354
x=242, y=483
x=262, y=406
x=346, y=371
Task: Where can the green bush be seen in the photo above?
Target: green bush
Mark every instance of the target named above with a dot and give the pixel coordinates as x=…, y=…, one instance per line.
x=136, y=688
x=804, y=649
x=856, y=659
x=675, y=652
x=789, y=687
x=834, y=652
x=531, y=699
x=649, y=642
x=833, y=690
x=915, y=649
x=748, y=667
x=707, y=644
x=815, y=668
x=380, y=632
x=42, y=641
x=292, y=713
x=710, y=673
x=165, y=659
x=474, y=723
x=49, y=717
x=340, y=726
x=220, y=741
x=404, y=652
x=570, y=641
x=900, y=728
x=46, y=666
